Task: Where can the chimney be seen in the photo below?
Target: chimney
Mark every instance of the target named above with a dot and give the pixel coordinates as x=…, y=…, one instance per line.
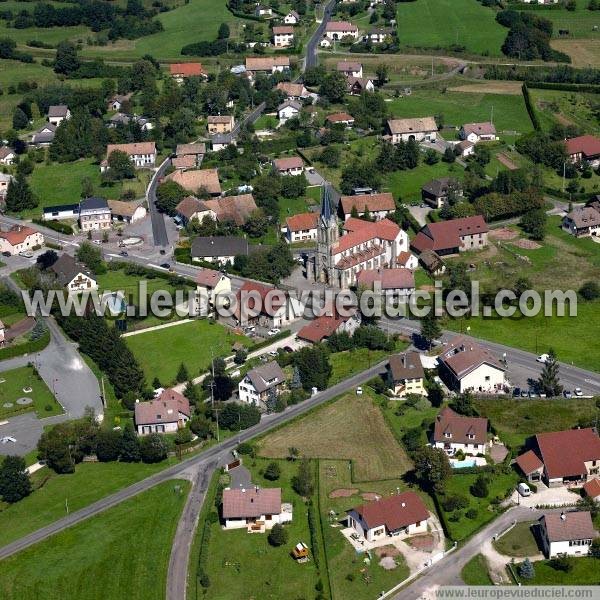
x=243, y=490
x=137, y=400
x=563, y=517
x=403, y=504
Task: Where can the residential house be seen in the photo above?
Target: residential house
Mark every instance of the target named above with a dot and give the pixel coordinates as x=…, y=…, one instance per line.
x=294, y=91
x=191, y=152
x=338, y=30
x=292, y=165
x=267, y=64
x=181, y=71
x=57, y=114
x=283, y=36
x=584, y=148
x=44, y=136
x=419, y=130
x=2, y=333
x=437, y=191
x=94, y=213
x=5, y=179
x=256, y=509
x=210, y=285
x=205, y=181
x=7, y=155
x=569, y=457
x=465, y=148
x=261, y=384
x=399, y=515
x=301, y=227
x=340, y=118
x=259, y=304
x=379, y=35
x=127, y=212
x=321, y=328
x=220, y=124
x=592, y=489
x=220, y=250
x=141, y=154
x=378, y=206
x=287, y=110
x=20, y=239
x=220, y=141
x=453, y=236
x=73, y=276
x=397, y=283
x=453, y=432
x=357, y=85
x=119, y=101
x=350, y=69
x=567, y=533
x=61, y=212
x=263, y=11
x=165, y=414
x=407, y=260
x=465, y=366
x=235, y=209
x=432, y=262
x=191, y=208
x=405, y=374
x=183, y=163
x=292, y=18
x=478, y=132
x=582, y=222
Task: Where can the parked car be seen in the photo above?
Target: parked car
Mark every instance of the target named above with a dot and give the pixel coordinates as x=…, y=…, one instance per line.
x=543, y=358
x=162, y=251
x=577, y=391
x=524, y=489
x=8, y=438
x=250, y=329
x=524, y=393
x=359, y=391
x=532, y=394
x=542, y=394
x=273, y=331
x=567, y=394
x=124, y=253
x=517, y=393
x=26, y=254
x=273, y=353
x=165, y=266
x=6, y=254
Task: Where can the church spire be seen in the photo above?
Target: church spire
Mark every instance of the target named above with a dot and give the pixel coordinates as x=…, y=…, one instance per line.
x=326, y=209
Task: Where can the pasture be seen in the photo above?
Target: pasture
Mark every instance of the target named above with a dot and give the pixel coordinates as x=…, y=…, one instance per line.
x=568, y=108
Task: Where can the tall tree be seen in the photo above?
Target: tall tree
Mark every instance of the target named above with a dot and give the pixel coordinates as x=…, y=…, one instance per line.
x=14, y=479
x=432, y=468
x=66, y=61
x=430, y=327
x=130, y=445
x=19, y=196
x=549, y=382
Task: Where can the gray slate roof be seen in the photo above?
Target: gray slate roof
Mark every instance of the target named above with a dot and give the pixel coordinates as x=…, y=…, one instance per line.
x=93, y=203
x=66, y=268
x=266, y=376
x=219, y=246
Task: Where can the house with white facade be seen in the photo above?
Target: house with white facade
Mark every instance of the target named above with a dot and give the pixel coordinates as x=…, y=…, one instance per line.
x=324, y=326
x=126, y=212
x=220, y=250
x=393, y=283
x=219, y=124
x=567, y=533
x=73, y=276
x=350, y=69
x=582, y=222
x=255, y=509
x=266, y=64
x=405, y=374
x=454, y=236
x=167, y=413
x=301, y=227
x=57, y=114
x=60, y=212
x=20, y=238
x=338, y=30
x=422, y=129
x=259, y=304
x=453, y=432
x=478, y=132
x=210, y=284
x=292, y=18
x=283, y=36
x=141, y=154
x=400, y=515
x=464, y=366
x=94, y=214
x=288, y=110
x=263, y=11
x=294, y=91
x=378, y=206
x=261, y=384
x=357, y=85
x=190, y=209
x=584, y=148
x=7, y=155
x=5, y=179
x=291, y=165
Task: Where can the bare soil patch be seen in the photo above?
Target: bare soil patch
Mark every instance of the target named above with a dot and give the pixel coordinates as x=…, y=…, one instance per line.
x=507, y=162
x=503, y=233
x=583, y=53
x=343, y=493
x=526, y=244
x=384, y=551
x=425, y=543
x=370, y=496
x=388, y=563
x=490, y=87
x=563, y=120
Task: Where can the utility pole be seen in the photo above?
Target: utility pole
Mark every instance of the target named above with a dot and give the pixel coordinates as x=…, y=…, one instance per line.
x=212, y=394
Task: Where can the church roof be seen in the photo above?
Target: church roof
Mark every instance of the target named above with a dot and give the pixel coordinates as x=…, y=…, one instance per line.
x=326, y=209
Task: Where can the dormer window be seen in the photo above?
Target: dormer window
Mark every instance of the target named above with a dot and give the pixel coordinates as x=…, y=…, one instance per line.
x=471, y=436
x=447, y=434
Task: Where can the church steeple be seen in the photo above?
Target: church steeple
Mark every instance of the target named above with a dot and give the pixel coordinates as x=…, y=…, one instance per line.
x=327, y=237
x=326, y=210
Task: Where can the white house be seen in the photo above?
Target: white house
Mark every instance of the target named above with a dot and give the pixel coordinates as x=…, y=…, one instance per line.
x=19, y=239
x=266, y=64
x=404, y=514
x=126, y=212
x=465, y=148
x=357, y=85
x=292, y=18
x=5, y=179
x=7, y=155
x=393, y=283
x=288, y=110
x=322, y=327
x=350, y=69
x=209, y=285
x=405, y=374
x=419, y=130
x=220, y=250
x=292, y=165
x=453, y=432
x=141, y=154
x=94, y=214
x=295, y=91
x=378, y=206
x=260, y=384
x=283, y=36
x=165, y=414
x=256, y=509
x=378, y=36
x=567, y=533
x=73, y=276
x=61, y=212
x=57, y=114
x=465, y=365
x=338, y=30
x=478, y=132
x=582, y=222
x=259, y=304
x=263, y=11
x=301, y=227
x=44, y=136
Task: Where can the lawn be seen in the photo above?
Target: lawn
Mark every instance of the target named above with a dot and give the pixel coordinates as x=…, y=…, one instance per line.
x=189, y=343
x=579, y=22
x=401, y=417
x=121, y=553
x=584, y=572
x=476, y=571
x=499, y=484
x=507, y=111
x=462, y=22
x=515, y=420
x=90, y=482
x=519, y=541
x=350, y=428
x=13, y=386
x=242, y=565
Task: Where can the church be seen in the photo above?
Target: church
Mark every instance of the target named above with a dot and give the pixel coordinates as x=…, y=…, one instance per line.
x=362, y=245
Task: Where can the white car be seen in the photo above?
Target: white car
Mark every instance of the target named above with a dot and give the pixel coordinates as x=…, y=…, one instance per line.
x=359, y=391
x=8, y=438
x=543, y=358
x=26, y=254
x=577, y=391
x=273, y=331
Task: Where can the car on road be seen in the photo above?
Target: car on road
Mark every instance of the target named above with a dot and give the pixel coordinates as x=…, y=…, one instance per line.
x=567, y=394
x=517, y=393
x=543, y=358
x=577, y=391
x=359, y=391
x=26, y=254
x=8, y=438
x=6, y=254
x=166, y=266
x=123, y=253
x=524, y=393
x=272, y=352
x=273, y=332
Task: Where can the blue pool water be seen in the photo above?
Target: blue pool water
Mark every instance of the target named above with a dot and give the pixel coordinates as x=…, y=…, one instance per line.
x=463, y=464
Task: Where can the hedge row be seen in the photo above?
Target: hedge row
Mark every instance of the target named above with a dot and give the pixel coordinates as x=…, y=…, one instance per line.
x=27, y=348
x=565, y=87
x=55, y=226
x=530, y=108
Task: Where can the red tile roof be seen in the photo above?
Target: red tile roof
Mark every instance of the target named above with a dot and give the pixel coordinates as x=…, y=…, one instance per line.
x=133, y=149
x=446, y=235
x=394, y=512
x=460, y=427
x=588, y=145
x=568, y=526
x=189, y=206
x=291, y=162
x=372, y=202
x=361, y=231
x=17, y=234
x=302, y=221
x=186, y=69
x=283, y=30
x=233, y=208
x=267, y=63
x=252, y=502
x=529, y=462
x=208, y=278
x=564, y=452
x=348, y=67
x=480, y=128
x=194, y=180
x=320, y=328
x=340, y=26
x=341, y=117
x=592, y=488
x=272, y=299
x=390, y=279
x=164, y=409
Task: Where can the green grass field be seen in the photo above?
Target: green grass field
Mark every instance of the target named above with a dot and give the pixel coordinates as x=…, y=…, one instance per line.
x=579, y=22
x=584, y=572
x=476, y=571
x=572, y=107
x=121, y=553
x=12, y=388
x=519, y=541
x=161, y=352
x=442, y=23
x=456, y=108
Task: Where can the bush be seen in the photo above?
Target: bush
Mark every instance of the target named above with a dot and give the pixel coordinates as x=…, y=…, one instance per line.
x=590, y=290
x=471, y=513
x=278, y=536
x=55, y=226
x=272, y=472
x=454, y=502
x=480, y=488
x=246, y=448
x=561, y=563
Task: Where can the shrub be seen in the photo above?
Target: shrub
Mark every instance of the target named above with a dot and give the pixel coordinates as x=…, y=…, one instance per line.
x=272, y=472
x=561, y=563
x=454, y=502
x=245, y=448
x=278, y=536
x=471, y=513
x=480, y=488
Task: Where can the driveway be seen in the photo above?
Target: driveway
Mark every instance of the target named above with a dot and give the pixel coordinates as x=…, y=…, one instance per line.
x=419, y=213
x=545, y=496
x=240, y=478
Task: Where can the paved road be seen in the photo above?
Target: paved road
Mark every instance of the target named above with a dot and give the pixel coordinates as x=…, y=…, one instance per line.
x=311, y=58
x=159, y=228
x=204, y=462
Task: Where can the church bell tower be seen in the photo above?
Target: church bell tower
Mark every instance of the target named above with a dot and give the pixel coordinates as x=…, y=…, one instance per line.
x=327, y=237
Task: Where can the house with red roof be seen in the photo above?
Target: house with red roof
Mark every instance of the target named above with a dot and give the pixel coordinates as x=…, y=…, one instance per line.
x=338, y=30
x=478, y=132
x=301, y=227
x=181, y=71
x=211, y=286
x=256, y=509
x=592, y=489
x=20, y=238
x=167, y=413
x=396, y=516
x=452, y=237
x=283, y=36
x=453, y=432
x=340, y=118
x=290, y=165
x=584, y=147
x=570, y=457
x=378, y=206
x=321, y=328
x=392, y=282
x=350, y=68
x=567, y=534
x=260, y=304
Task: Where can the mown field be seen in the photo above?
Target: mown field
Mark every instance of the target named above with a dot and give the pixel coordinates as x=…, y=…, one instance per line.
x=443, y=23
x=567, y=107
x=121, y=553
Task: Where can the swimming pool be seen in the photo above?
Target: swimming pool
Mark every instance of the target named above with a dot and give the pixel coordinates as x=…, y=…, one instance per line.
x=463, y=464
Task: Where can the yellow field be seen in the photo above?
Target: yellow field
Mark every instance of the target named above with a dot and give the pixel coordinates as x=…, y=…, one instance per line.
x=490, y=87
x=583, y=53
